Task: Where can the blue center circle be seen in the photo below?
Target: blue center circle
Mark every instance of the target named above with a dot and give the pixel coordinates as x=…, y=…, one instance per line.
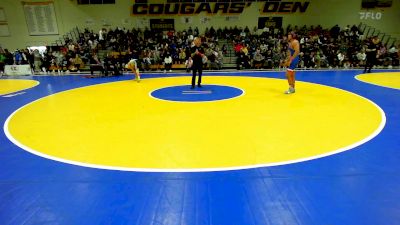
x=205, y=93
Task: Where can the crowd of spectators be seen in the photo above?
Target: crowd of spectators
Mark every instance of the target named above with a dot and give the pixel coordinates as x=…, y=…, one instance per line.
x=153, y=49
x=257, y=48
x=319, y=48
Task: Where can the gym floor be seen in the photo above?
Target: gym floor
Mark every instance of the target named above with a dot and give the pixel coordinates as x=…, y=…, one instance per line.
x=110, y=150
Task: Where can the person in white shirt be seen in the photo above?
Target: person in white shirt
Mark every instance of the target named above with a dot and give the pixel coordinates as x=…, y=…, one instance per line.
x=242, y=33
x=392, y=49
x=190, y=38
x=71, y=47
x=340, y=57
x=361, y=57
x=188, y=64
x=102, y=36
x=168, y=63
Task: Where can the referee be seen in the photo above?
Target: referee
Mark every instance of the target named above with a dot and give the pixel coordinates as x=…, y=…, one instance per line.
x=371, y=51
x=197, y=56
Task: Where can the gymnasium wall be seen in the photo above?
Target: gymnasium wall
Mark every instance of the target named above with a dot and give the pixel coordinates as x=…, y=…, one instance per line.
x=69, y=14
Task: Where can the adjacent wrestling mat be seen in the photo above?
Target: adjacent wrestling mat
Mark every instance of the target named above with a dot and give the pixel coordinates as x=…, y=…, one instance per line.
x=235, y=151
x=8, y=86
x=391, y=80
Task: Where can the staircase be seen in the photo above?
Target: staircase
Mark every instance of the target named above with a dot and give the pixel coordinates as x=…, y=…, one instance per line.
x=229, y=59
x=72, y=35
x=369, y=31
x=103, y=53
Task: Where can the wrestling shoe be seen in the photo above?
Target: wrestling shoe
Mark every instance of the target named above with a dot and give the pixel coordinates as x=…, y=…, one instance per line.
x=290, y=91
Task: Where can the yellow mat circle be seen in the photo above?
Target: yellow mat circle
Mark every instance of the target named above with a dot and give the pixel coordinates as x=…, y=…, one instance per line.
x=120, y=126
x=386, y=79
x=8, y=86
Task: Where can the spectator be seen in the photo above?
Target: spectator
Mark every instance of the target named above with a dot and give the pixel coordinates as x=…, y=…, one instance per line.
x=225, y=49
x=394, y=54
x=146, y=62
x=96, y=65
x=37, y=60
x=220, y=58
x=17, y=57
x=212, y=61
x=2, y=60
x=258, y=60
x=102, y=37
x=361, y=57
x=242, y=61
x=182, y=56
x=168, y=63
x=9, y=58
x=188, y=64
x=340, y=57
x=269, y=60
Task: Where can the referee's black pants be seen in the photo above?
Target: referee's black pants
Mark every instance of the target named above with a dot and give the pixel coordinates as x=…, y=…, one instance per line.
x=369, y=63
x=196, y=69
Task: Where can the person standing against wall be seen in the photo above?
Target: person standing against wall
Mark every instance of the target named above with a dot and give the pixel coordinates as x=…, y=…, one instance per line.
x=197, y=56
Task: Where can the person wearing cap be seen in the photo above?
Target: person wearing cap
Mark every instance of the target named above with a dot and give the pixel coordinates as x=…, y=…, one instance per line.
x=132, y=65
x=292, y=61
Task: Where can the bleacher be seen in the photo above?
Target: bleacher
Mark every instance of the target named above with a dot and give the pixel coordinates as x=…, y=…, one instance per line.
x=229, y=59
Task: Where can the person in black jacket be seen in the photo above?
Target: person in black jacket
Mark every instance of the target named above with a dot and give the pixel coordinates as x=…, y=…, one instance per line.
x=197, y=56
x=372, y=49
